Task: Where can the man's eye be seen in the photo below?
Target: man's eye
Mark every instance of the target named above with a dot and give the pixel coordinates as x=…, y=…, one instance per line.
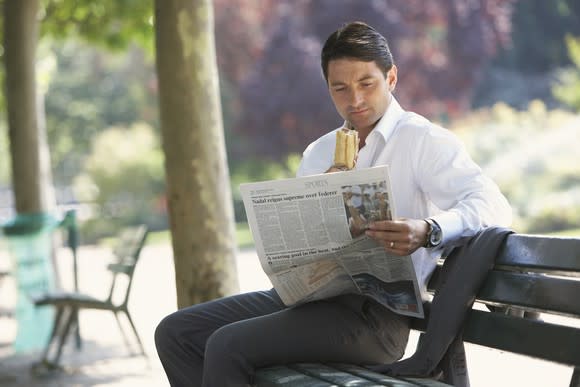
x=339, y=88
x=368, y=84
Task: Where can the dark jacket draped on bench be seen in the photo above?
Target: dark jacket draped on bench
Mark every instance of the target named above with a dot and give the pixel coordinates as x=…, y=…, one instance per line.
x=462, y=275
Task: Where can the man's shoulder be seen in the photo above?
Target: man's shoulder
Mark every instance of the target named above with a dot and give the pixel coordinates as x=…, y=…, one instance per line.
x=413, y=124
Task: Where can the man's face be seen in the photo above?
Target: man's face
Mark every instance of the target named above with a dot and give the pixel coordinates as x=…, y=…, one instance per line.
x=360, y=92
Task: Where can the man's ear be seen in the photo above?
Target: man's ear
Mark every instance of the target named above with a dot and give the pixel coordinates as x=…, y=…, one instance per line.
x=392, y=78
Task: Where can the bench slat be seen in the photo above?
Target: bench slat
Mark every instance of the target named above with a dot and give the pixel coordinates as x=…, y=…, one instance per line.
x=526, y=337
x=389, y=381
x=333, y=375
x=325, y=375
x=284, y=376
x=541, y=253
x=532, y=291
x=528, y=290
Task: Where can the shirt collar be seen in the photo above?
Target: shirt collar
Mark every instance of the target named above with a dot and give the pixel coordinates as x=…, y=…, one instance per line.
x=389, y=120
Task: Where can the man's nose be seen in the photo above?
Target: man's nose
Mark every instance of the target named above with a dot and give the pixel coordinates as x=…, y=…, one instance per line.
x=356, y=98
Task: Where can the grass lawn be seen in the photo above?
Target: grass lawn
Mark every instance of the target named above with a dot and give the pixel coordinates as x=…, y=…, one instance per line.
x=243, y=236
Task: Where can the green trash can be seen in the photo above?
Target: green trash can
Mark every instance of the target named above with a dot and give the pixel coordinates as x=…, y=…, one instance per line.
x=29, y=242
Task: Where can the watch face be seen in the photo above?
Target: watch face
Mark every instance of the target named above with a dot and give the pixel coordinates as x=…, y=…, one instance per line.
x=435, y=237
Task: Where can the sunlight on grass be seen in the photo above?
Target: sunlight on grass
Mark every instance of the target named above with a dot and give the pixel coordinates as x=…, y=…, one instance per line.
x=243, y=236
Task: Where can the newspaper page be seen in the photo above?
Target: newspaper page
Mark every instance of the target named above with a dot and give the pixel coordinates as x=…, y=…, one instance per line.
x=309, y=236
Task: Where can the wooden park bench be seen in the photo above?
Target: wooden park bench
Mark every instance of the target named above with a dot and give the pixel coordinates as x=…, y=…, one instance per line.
x=532, y=274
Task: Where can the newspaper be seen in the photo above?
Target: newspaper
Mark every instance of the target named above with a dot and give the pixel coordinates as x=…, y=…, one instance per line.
x=309, y=236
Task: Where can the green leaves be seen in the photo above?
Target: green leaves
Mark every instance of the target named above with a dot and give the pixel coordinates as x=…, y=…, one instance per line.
x=532, y=155
x=111, y=23
x=568, y=88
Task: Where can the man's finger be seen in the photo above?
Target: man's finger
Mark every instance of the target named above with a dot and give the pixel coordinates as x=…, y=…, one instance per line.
x=382, y=235
x=385, y=225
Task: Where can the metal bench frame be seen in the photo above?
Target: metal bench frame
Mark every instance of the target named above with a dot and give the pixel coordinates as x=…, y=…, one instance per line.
x=126, y=254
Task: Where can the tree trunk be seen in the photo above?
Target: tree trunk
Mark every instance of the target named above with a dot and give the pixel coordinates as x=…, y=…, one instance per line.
x=31, y=174
x=198, y=189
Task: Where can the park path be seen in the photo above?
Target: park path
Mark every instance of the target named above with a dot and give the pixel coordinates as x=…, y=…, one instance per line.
x=104, y=359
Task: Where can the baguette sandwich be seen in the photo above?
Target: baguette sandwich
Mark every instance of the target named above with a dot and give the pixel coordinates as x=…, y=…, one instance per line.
x=346, y=148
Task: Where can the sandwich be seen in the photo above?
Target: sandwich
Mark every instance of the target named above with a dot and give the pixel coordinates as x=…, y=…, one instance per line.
x=346, y=148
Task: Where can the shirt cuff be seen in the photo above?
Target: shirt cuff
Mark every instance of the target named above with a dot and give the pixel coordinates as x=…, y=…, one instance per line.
x=451, y=225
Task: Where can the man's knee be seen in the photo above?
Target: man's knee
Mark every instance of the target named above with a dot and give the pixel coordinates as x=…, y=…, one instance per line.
x=166, y=331
x=227, y=361
x=220, y=342
x=225, y=343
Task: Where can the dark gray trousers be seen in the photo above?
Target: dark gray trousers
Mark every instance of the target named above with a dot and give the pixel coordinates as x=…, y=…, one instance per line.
x=220, y=343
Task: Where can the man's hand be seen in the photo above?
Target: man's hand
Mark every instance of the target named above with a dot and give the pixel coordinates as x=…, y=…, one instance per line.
x=336, y=169
x=401, y=236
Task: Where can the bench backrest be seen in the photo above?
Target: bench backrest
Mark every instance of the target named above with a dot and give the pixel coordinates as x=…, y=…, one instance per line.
x=538, y=274
x=126, y=253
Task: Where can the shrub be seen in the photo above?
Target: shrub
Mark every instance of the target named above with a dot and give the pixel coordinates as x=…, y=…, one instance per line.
x=532, y=155
x=124, y=177
x=554, y=219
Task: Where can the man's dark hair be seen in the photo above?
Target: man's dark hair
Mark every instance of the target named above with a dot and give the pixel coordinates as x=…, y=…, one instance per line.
x=357, y=40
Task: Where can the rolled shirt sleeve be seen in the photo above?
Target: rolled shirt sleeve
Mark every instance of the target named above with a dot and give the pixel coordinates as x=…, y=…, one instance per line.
x=467, y=199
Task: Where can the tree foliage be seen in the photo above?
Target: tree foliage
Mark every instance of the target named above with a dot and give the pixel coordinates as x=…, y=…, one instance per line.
x=440, y=48
x=241, y=28
x=124, y=178
x=273, y=95
x=92, y=91
x=72, y=121
x=539, y=28
x=568, y=90
x=112, y=23
x=530, y=155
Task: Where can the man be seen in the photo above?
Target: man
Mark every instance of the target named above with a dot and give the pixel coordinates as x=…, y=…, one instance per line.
x=353, y=201
x=440, y=194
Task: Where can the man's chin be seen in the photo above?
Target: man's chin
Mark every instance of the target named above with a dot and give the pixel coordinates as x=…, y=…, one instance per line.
x=358, y=124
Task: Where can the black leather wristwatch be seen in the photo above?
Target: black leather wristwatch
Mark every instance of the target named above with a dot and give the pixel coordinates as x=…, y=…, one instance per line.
x=434, y=235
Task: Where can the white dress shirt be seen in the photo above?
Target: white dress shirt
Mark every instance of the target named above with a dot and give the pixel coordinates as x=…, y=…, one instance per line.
x=432, y=175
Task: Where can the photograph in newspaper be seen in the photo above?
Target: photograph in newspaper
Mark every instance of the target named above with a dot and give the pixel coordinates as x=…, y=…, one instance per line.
x=365, y=203
x=398, y=295
x=309, y=234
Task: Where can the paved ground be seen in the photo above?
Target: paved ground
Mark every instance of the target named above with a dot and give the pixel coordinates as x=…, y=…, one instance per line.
x=104, y=360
